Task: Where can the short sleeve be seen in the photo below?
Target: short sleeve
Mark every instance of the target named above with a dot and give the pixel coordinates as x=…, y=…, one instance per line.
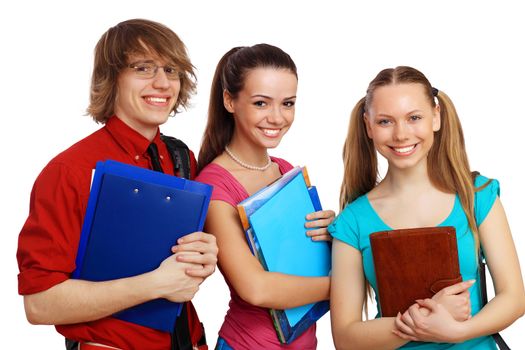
x=484, y=199
x=344, y=228
x=48, y=241
x=225, y=187
x=221, y=193
x=284, y=166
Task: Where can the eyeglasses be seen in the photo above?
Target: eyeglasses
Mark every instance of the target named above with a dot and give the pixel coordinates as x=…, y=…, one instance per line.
x=148, y=70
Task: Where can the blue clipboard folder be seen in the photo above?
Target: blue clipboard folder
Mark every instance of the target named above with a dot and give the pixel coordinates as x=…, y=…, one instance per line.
x=133, y=218
x=273, y=219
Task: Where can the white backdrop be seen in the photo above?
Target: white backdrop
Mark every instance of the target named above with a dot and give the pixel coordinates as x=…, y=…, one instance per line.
x=471, y=50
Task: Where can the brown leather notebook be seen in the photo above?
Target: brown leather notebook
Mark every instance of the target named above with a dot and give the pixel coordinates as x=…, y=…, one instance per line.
x=413, y=264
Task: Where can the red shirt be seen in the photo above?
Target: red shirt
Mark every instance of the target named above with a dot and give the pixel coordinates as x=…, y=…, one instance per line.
x=48, y=242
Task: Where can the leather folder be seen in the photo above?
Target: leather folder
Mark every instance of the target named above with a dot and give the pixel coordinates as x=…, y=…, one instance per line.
x=413, y=264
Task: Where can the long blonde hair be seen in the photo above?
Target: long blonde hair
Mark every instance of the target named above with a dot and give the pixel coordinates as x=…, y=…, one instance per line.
x=447, y=162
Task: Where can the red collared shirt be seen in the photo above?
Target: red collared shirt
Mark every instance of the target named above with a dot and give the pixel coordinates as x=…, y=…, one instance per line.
x=48, y=242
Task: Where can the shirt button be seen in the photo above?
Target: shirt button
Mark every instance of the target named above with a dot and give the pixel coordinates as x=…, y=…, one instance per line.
x=161, y=157
x=137, y=158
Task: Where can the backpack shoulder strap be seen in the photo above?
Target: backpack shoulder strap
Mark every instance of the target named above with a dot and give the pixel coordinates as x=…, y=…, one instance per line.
x=180, y=155
x=502, y=345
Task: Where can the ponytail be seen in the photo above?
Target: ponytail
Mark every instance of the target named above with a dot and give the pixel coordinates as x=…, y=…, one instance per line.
x=448, y=165
x=220, y=125
x=359, y=158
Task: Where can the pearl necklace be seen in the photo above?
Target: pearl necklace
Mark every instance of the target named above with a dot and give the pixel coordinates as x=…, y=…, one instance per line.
x=248, y=166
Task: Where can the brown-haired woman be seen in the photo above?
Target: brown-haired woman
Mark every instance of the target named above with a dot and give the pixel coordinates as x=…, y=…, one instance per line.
x=252, y=106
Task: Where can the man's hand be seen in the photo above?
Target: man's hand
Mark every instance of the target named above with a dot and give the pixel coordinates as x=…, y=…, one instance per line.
x=172, y=282
x=205, y=245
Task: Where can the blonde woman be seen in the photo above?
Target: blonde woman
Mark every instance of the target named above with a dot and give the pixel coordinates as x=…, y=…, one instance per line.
x=428, y=183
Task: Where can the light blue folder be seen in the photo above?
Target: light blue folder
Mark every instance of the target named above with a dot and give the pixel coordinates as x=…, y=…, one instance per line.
x=274, y=221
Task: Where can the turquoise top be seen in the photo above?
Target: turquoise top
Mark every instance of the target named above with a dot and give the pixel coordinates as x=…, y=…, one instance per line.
x=359, y=219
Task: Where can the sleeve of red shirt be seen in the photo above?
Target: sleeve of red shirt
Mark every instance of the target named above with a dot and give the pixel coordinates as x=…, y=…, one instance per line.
x=48, y=242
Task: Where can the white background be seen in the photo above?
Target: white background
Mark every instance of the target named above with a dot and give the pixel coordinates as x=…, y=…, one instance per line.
x=471, y=50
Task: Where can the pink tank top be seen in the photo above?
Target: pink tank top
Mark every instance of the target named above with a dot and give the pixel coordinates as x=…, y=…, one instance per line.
x=248, y=327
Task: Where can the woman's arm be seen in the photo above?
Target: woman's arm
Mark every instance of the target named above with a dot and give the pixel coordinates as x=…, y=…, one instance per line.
x=245, y=273
x=508, y=303
x=502, y=260
x=346, y=304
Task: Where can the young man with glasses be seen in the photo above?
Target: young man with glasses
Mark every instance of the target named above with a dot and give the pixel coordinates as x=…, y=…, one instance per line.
x=141, y=75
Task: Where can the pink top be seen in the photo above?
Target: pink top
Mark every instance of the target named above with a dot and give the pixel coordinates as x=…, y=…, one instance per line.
x=246, y=326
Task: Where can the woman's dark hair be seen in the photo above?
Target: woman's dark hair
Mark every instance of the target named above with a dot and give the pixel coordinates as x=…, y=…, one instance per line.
x=230, y=76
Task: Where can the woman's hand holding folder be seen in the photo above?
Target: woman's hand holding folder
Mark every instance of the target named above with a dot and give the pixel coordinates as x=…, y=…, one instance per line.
x=450, y=302
x=438, y=326
x=317, y=224
x=456, y=299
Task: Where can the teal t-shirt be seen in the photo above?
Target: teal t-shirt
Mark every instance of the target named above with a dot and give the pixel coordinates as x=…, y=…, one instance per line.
x=359, y=219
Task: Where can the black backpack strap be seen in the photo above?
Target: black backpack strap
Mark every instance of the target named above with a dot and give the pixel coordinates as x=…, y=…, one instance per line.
x=71, y=344
x=484, y=300
x=181, y=337
x=180, y=155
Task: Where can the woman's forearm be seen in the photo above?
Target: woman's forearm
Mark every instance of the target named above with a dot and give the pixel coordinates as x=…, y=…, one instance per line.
x=373, y=334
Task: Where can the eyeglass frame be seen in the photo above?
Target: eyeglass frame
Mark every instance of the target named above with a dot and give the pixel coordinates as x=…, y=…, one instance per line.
x=145, y=75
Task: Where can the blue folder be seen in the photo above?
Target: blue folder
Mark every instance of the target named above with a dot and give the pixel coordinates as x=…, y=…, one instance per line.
x=133, y=218
x=274, y=219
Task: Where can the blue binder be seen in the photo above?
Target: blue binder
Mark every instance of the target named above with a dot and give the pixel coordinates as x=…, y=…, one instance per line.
x=133, y=218
x=274, y=219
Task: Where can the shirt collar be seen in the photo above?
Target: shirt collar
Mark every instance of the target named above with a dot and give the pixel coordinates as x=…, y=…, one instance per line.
x=130, y=140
